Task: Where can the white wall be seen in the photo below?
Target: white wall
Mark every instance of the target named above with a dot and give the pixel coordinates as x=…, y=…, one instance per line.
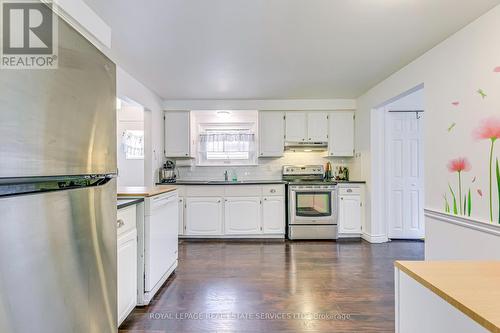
x=130, y=171
x=452, y=71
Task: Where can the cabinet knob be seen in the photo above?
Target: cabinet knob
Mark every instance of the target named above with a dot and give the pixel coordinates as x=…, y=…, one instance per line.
x=309, y=139
x=273, y=190
x=120, y=223
x=349, y=190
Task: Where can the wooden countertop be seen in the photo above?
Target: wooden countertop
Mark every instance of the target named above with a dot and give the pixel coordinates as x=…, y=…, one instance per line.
x=144, y=191
x=473, y=287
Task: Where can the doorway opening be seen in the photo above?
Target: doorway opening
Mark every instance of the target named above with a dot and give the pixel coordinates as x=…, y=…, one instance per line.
x=130, y=143
x=401, y=165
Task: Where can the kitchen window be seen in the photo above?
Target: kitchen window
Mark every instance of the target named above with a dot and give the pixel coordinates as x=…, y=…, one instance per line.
x=133, y=144
x=226, y=145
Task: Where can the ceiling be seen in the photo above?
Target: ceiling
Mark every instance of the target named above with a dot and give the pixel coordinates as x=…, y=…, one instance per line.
x=275, y=49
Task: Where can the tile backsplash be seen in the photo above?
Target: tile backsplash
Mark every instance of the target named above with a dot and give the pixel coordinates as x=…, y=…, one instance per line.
x=267, y=169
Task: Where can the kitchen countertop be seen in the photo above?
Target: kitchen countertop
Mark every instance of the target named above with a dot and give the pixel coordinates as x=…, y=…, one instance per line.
x=122, y=203
x=144, y=191
x=469, y=286
x=253, y=182
x=222, y=182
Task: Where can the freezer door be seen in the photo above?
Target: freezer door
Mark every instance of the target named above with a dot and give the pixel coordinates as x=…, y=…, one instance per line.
x=61, y=121
x=58, y=261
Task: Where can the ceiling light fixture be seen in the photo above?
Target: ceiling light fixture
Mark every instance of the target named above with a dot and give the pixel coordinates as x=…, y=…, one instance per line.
x=223, y=114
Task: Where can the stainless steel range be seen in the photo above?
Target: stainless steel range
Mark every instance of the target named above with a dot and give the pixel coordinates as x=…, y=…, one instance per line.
x=312, y=203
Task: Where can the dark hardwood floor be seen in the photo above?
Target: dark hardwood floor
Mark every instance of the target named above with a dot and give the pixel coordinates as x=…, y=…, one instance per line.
x=242, y=286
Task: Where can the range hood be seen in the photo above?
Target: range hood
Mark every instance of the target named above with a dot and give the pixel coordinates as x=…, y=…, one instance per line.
x=306, y=146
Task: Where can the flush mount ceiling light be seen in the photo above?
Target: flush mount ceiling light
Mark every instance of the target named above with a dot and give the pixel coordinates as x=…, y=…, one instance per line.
x=223, y=114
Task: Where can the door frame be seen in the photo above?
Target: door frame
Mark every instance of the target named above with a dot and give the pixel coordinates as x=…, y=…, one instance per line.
x=379, y=232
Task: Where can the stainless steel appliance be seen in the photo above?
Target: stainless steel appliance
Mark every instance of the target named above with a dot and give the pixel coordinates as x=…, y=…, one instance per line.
x=167, y=173
x=312, y=208
x=58, y=193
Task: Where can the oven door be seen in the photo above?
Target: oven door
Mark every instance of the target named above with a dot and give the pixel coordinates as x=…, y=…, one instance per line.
x=310, y=205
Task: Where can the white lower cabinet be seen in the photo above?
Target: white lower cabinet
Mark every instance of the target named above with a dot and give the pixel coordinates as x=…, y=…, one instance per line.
x=233, y=211
x=203, y=216
x=273, y=215
x=242, y=215
x=181, y=216
x=127, y=262
x=350, y=213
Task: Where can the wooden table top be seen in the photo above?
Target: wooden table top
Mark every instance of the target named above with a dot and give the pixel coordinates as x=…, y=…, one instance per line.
x=144, y=191
x=473, y=287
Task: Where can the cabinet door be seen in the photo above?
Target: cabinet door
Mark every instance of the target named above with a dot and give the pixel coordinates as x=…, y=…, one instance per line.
x=127, y=274
x=341, y=133
x=296, y=126
x=273, y=215
x=177, y=134
x=271, y=133
x=203, y=216
x=181, y=216
x=350, y=214
x=317, y=127
x=242, y=216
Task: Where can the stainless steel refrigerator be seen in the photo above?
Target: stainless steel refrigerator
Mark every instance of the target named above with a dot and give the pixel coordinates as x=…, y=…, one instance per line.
x=58, y=193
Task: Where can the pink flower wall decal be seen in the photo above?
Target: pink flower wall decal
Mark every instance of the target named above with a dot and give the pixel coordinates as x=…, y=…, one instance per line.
x=496, y=69
x=459, y=164
x=456, y=103
x=489, y=130
x=480, y=192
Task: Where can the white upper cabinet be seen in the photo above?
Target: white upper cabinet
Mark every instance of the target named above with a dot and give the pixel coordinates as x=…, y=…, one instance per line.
x=273, y=215
x=271, y=133
x=311, y=126
x=242, y=216
x=296, y=126
x=341, y=133
x=317, y=127
x=177, y=134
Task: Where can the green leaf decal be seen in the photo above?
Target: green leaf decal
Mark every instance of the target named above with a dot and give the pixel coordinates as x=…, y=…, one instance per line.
x=446, y=204
x=455, y=208
x=469, y=203
x=498, y=184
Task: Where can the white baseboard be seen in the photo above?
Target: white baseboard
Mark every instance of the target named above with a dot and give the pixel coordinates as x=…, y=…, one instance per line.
x=375, y=239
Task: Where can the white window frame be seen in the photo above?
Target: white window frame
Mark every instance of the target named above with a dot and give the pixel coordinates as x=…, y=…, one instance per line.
x=248, y=127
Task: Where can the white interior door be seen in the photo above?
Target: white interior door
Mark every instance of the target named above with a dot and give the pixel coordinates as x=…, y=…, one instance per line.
x=404, y=175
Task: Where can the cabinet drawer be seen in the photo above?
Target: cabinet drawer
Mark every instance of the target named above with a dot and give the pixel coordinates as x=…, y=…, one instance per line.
x=204, y=191
x=271, y=190
x=242, y=191
x=126, y=219
x=349, y=191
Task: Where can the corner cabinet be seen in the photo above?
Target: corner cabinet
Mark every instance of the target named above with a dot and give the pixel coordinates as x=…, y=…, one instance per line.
x=341, y=134
x=350, y=211
x=127, y=261
x=271, y=133
x=177, y=133
x=203, y=216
